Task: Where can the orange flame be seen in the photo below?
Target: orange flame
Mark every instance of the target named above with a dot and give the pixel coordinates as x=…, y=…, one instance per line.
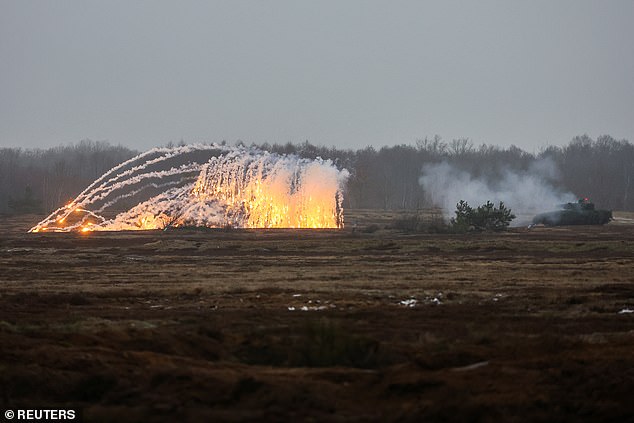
x=244, y=188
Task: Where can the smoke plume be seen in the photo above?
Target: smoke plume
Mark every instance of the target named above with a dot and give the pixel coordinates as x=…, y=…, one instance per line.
x=526, y=192
x=213, y=186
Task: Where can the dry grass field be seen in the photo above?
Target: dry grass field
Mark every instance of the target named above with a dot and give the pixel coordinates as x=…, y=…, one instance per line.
x=320, y=325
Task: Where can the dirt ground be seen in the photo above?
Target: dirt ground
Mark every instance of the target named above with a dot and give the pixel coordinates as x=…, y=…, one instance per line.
x=280, y=325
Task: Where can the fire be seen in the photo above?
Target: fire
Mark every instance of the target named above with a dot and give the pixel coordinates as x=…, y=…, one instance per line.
x=148, y=221
x=286, y=192
x=240, y=187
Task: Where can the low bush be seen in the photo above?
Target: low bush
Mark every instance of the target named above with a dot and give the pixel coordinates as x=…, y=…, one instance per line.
x=419, y=223
x=486, y=217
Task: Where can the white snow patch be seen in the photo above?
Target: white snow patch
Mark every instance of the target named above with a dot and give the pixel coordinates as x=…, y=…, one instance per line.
x=409, y=303
x=311, y=308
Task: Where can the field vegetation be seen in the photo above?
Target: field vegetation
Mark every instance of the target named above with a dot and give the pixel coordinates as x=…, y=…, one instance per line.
x=372, y=325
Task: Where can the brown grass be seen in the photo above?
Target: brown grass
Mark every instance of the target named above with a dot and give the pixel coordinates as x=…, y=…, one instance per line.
x=208, y=325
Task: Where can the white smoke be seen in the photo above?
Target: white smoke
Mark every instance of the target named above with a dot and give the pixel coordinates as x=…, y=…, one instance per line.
x=202, y=185
x=526, y=193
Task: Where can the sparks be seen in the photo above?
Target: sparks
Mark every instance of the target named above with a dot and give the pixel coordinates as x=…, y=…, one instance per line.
x=213, y=186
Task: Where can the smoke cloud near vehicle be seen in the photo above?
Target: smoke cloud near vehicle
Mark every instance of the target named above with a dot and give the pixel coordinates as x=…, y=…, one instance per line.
x=526, y=192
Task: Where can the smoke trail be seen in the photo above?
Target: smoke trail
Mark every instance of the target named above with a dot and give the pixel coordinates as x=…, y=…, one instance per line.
x=525, y=192
x=264, y=190
x=211, y=186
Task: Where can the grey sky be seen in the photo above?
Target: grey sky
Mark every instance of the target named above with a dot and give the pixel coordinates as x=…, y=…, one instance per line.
x=344, y=73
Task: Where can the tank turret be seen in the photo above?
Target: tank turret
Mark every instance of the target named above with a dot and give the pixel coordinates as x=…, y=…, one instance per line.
x=582, y=212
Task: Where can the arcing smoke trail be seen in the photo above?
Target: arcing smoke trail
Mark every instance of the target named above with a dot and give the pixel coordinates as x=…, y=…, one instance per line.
x=525, y=192
x=211, y=186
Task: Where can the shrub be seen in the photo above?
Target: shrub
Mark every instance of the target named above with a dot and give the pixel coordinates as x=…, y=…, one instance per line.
x=486, y=217
x=433, y=223
x=408, y=223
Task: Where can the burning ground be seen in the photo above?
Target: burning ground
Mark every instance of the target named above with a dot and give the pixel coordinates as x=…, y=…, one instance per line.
x=198, y=325
x=206, y=186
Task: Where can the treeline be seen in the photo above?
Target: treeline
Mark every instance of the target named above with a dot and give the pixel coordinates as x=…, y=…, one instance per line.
x=388, y=178
x=385, y=178
x=39, y=181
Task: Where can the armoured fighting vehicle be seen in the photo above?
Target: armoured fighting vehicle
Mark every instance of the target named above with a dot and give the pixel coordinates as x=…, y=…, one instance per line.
x=580, y=213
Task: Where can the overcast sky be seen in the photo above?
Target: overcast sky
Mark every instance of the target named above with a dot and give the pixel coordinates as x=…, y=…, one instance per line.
x=343, y=73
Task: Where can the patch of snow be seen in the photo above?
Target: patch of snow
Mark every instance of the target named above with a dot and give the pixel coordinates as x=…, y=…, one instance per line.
x=305, y=308
x=626, y=311
x=409, y=303
x=312, y=308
